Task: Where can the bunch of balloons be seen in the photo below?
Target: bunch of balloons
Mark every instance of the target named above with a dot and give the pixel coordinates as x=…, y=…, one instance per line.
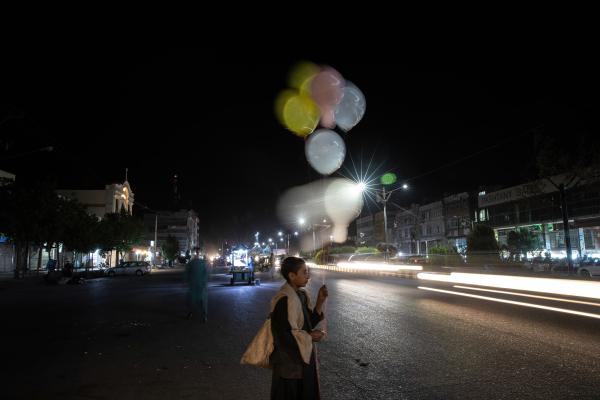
x=319, y=96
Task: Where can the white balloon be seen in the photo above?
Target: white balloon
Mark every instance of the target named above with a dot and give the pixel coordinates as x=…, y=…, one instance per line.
x=351, y=109
x=343, y=203
x=306, y=203
x=325, y=151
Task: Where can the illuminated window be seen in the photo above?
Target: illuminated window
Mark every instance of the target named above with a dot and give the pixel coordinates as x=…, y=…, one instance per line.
x=483, y=215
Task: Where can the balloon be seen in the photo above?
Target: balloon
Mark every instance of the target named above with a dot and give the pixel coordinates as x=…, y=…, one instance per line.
x=388, y=178
x=303, y=205
x=340, y=199
x=327, y=89
x=325, y=151
x=327, y=116
x=351, y=109
x=297, y=112
x=301, y=76
x=343, y=203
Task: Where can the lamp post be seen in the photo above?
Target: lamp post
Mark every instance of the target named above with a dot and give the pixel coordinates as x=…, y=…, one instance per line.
x=387, y=180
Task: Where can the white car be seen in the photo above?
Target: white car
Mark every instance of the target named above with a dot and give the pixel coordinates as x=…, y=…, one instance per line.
x=138, y=268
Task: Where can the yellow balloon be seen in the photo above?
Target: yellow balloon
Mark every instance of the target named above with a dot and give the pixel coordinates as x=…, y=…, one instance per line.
x=301, y=75
x=297, y=112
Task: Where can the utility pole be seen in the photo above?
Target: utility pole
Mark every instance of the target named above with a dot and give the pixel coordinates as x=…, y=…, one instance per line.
x=155, y=236
x=565, y=217
x=383, y=197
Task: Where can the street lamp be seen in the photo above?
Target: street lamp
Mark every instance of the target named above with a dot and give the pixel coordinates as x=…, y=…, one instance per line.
x=383, y=196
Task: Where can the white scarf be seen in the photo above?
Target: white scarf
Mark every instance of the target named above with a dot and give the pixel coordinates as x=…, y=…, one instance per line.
x=296, y=318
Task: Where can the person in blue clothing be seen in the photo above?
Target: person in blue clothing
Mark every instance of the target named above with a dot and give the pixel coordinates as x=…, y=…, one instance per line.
x=196, y=274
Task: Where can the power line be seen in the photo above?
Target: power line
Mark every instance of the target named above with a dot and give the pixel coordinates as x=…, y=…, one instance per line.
x=457, y=161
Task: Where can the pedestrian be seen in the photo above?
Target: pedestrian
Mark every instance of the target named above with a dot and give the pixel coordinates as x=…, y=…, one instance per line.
x=272, y=264
x=68, y=269
x=293, y=322
x=196, y=275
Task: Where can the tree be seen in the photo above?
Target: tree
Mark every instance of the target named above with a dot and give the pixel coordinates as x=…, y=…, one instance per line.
x=482, y=245
x=567, y=147
x=27, y=215
x=80, y=229
x=120, y=231
x=171, y=248
x=521, y=242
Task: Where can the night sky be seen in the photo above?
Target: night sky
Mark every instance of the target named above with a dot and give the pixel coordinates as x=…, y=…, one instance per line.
x=209, y=118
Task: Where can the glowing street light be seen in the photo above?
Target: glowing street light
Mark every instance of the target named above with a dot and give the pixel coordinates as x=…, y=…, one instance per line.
x=383, y=196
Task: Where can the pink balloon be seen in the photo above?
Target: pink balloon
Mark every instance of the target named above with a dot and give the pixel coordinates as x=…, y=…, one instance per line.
x=327, y=89
x=327, y=117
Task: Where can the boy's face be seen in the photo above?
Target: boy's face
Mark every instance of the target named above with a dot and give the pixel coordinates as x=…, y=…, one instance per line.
x=300, y=278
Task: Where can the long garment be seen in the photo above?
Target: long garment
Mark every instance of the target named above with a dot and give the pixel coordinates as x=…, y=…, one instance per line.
x=292, y=378
x=197, y=279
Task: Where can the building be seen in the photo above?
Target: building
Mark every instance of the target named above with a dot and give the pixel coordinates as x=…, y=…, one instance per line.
x=407, y=230
x=442, y=223
x=379, y=226
x=432, y=227
x=364, y=231
x=537, y=207
x=7, y=250
x=457, y=217
x=6, y=177
x=182, y=225
x=100, y=202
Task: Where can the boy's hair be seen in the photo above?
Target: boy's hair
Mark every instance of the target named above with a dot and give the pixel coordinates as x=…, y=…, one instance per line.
x=291, y=264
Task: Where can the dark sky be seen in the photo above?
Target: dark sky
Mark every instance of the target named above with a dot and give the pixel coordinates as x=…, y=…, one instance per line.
x=209, y=118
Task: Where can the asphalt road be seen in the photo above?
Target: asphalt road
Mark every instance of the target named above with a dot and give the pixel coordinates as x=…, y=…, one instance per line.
x=127, y=338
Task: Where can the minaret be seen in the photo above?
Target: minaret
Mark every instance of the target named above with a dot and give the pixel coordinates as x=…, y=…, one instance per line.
x=176, y=197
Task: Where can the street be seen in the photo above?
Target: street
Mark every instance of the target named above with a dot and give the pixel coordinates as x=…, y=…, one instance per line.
x=128, y=338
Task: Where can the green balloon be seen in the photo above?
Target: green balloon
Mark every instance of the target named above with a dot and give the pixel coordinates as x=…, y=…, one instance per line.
x=388, y=178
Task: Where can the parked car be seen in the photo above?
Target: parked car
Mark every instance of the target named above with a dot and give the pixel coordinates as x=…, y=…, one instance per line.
x=590, y=268
x=138, y=268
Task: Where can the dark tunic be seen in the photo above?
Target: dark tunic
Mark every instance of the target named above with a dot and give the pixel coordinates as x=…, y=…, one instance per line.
x=292, y=378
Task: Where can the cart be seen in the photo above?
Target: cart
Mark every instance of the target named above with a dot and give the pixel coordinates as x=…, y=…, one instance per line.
x=244, y=275
x=242, y=269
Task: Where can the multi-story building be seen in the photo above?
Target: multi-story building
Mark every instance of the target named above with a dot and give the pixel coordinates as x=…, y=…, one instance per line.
x=432, y=226
x=457, y=217
x=364, y=231
x=442, y=223
x=407, y=230
x=182, y=225
x=537, y=206
x=113, y=198
x=379, y=226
